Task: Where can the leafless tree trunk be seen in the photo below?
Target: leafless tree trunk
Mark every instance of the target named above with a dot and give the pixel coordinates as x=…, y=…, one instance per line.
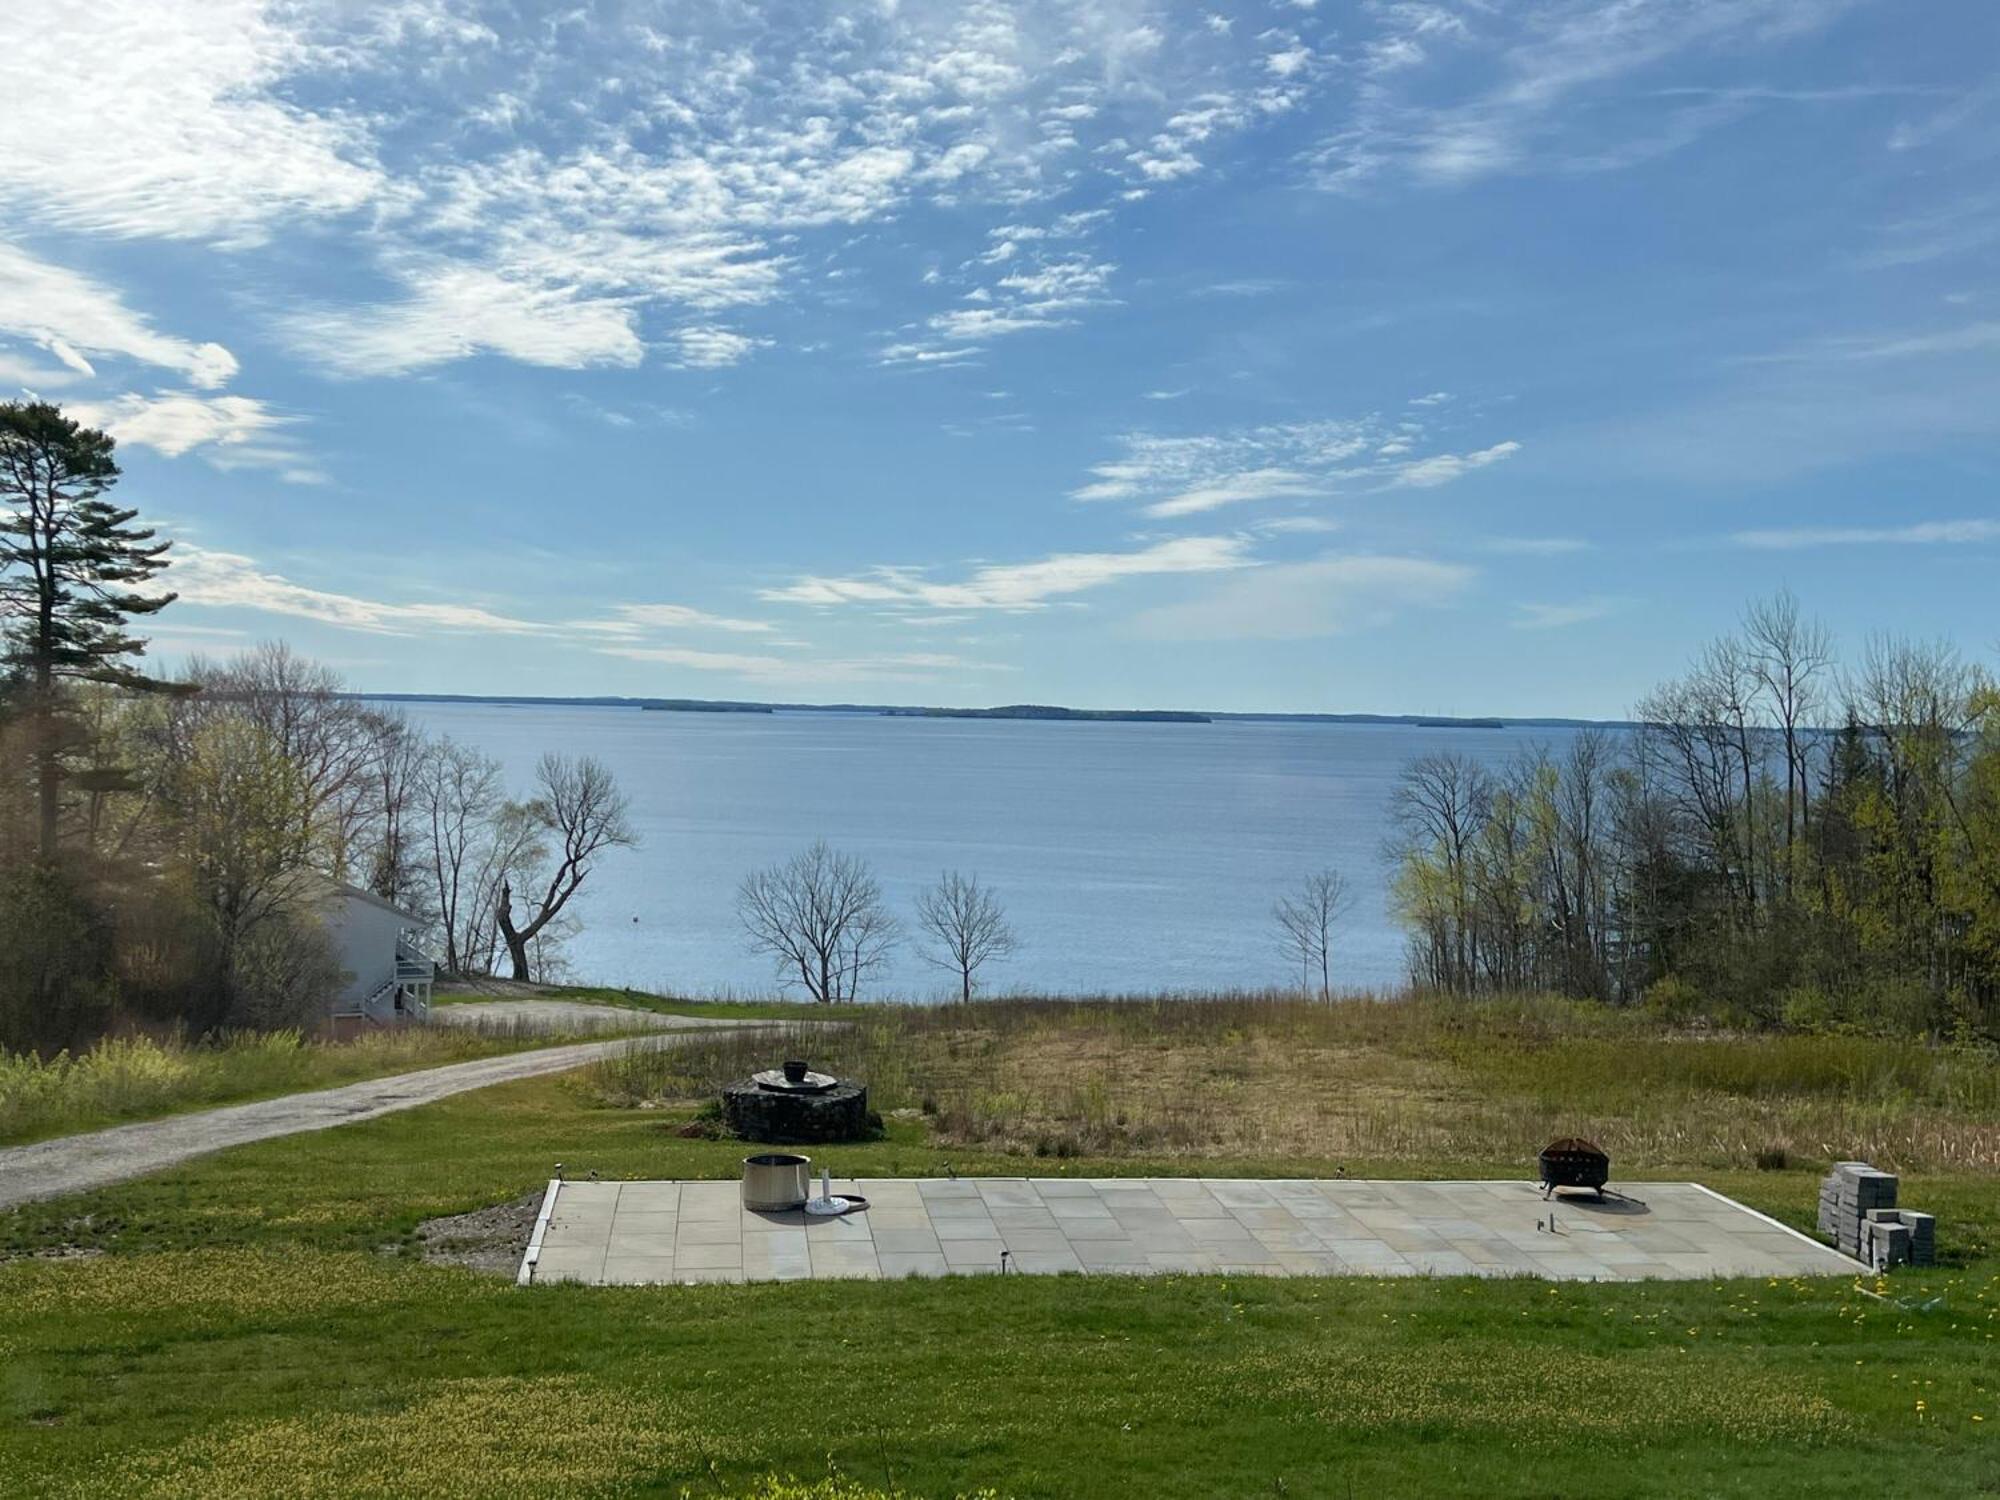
x=965, y=920
x=1306, y=921
x=1438, y=810
x=1789, y=656
x=396, y=869
x=820, y=917
x=331, y=740
x=457, y=792
x=582, y=812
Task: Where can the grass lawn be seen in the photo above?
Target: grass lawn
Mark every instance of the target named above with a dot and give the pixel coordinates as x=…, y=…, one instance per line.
x=262, y=1325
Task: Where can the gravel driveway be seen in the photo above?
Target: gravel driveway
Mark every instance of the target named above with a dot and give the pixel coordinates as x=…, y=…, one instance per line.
x=78, y=1163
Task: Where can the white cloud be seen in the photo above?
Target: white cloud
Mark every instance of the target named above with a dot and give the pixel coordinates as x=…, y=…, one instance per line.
x=1234, y=489
x=72, y=316
x=1922, y=533
x=563, y=195
x=29, y=376
x=1537, y=546
x=457, y=310
x=1561, y=616
x=1442, y=468
x=165, y=118
x=1018, y=586
x=229, y=580
x=1538, y=90
x=887, y=667
x=1189, y=474
x=633, y=619
x=1048, y=293
x=715, y=348
x=1301, y=601
x=177, y=422
x=1968, y=338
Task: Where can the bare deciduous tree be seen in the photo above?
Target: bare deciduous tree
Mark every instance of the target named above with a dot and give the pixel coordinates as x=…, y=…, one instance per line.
x=332, y=741
x=1306, y=921
x=1437, y=811
x=965, y=921
x=820, y=917
x=1790, y=654
x=581, y=812
x=457, y=794
x=396, y=868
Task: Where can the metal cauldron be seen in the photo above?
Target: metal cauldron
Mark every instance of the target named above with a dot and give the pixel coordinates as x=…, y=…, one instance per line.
x=776, y=1180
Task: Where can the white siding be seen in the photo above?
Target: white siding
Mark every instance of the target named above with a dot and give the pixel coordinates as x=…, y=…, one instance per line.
x=364, y=938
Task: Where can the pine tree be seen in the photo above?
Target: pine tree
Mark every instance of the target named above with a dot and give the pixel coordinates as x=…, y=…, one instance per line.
x=72, y=571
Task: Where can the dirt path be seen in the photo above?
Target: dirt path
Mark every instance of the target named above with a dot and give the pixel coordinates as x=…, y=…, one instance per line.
x=78, y=1163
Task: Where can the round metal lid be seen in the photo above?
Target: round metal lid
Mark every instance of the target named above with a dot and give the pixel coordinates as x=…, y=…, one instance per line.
x=774, y=1079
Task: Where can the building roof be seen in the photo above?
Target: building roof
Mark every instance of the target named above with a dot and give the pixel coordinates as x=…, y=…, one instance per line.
x=340, y=889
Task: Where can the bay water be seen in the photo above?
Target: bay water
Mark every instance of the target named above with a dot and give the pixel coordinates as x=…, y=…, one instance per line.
x=1131, y=857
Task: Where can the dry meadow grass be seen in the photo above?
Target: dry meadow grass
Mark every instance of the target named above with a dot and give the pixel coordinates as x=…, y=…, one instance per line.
x=1406, y=1080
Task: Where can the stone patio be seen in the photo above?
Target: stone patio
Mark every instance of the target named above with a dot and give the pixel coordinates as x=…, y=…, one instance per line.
x=609, y=1233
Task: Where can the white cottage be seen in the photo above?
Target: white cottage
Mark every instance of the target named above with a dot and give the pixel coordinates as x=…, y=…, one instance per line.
x=387, y=979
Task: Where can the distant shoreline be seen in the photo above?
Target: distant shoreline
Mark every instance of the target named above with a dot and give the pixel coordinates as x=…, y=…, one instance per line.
x=1038, y=712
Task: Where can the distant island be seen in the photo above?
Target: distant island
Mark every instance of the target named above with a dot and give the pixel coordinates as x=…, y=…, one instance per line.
x=1040, y=711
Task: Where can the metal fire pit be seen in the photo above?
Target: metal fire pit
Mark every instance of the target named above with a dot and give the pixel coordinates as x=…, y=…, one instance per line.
x=1573, y=1162
x=775, y=1180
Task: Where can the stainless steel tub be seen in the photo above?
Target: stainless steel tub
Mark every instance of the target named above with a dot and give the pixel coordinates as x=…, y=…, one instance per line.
x=775, y=1180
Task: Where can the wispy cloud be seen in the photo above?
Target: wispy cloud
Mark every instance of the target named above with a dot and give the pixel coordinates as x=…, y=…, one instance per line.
x=1017, y=586
x=568, y=196
x=1920, y=534
x=1442, y=468
x=715, y=348
x=187, y=134
x=228, y=580
x=72, y=317
x=1966, y=338
x=1561, y=616
x=1541, y=90
x=231, y=432
x=1047, y=286
x=1234, y=489
x=635, y=619
x=453, y=311
x=1300, y=601
x=1537, y=546
x=892, y=666
x=1172, y=476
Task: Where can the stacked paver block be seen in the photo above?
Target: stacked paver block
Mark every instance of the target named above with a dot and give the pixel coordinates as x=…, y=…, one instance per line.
x=1900, y=1237
x=1857, y=1209
x=1848, y=1195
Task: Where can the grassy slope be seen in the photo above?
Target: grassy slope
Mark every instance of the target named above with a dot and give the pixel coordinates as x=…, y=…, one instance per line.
x=276, y=1349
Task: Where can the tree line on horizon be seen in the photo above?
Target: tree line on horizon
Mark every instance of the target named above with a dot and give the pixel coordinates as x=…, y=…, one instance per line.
x=1781, y=842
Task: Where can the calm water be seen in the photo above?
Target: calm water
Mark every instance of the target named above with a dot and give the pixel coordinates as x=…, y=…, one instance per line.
x=1129, y=856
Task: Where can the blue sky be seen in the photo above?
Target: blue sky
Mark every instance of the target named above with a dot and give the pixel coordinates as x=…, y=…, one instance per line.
x=1440, y=357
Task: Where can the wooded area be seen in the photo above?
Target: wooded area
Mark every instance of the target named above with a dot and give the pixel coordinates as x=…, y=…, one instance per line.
x=166, y=843
x=1782, y=842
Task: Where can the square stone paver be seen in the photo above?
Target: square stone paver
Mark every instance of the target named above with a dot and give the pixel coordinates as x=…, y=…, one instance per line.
x=677, y=1232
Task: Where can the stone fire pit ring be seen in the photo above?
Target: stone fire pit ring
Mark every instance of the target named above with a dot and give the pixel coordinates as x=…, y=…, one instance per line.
x=818, y=1111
